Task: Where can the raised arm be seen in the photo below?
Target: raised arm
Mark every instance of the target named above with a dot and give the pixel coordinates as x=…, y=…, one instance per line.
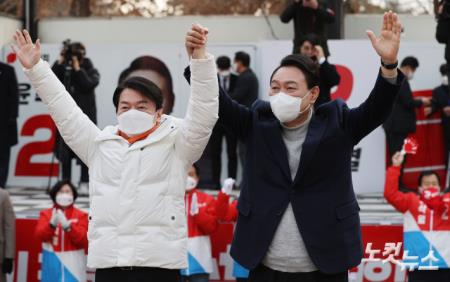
x=401, y=201
x=330, y=74
x=202, y=111
x=327, y=15
x=289, y=12
x=75, y=127
x=360, y=121
x=225, y=211
x=235, y=117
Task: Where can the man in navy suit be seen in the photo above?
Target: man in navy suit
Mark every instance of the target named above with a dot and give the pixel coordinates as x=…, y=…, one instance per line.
x=298, y=214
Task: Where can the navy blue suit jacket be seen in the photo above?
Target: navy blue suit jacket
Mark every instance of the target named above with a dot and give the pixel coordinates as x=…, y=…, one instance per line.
x=321, y=194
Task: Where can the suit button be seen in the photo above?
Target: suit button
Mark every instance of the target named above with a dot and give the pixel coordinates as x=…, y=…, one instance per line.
x=279, y=213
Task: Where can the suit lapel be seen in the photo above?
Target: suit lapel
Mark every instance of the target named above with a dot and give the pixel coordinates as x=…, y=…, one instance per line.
x=277, y=147
x=316, y=129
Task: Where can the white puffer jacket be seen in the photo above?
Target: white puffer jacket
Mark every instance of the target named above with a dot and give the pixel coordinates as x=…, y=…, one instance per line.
x=137, y=214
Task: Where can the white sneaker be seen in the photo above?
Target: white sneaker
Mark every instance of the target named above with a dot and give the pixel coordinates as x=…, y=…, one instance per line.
x=83, y=189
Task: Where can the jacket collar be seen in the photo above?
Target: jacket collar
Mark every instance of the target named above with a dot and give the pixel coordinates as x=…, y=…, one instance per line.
x=166, y=127
x=316, y=128
x=273, y=134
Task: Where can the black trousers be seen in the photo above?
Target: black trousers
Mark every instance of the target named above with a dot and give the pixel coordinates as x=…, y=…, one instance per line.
x=216, y=152
x=4, y=166
x=265, y=274
x=137, y=274
x=429, y=275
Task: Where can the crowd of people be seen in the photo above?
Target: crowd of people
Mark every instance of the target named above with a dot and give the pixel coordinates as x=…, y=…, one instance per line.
x=149, y=219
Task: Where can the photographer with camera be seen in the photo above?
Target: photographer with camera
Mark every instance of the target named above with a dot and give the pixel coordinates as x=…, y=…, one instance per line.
x=309, y=16
x=442, y=11
x=80, y=78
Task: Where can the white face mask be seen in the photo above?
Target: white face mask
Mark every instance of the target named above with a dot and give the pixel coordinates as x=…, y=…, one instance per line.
x=410, y=76
x=287, y=108
x=191, y=183
x=134, y=122
x=445, y=80
x=64, y=199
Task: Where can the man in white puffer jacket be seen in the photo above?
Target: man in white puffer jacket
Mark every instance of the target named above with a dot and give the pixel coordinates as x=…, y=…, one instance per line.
x=138, y=169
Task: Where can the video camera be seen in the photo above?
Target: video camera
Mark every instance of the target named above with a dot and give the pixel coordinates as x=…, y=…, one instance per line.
x=74, y=49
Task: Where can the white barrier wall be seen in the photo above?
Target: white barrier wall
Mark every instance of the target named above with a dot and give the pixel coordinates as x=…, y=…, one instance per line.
x=7, y=28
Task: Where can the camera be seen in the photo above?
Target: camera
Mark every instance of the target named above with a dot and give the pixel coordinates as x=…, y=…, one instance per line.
x=74, y=49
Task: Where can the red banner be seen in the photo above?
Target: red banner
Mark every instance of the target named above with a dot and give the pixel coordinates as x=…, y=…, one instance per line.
x=430, y=155
x=27, y=264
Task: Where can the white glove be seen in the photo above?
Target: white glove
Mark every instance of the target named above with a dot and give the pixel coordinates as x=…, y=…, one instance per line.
x=194, y=205
x=228, y=185
x=65, y=223
x=54, y=219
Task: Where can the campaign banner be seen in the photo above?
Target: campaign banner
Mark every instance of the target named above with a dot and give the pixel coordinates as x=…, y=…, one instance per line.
x=27, y=264
x=33, y=163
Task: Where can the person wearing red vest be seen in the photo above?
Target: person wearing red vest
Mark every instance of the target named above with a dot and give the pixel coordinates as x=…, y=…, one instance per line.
x=426, y=224
x=201, y=222
x=62, y=229
x=227, y=212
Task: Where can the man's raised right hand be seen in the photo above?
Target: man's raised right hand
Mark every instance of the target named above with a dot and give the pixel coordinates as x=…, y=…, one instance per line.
x=28, y=53
x=196, y=39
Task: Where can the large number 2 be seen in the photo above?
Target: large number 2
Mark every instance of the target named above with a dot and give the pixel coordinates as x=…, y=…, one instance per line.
x=24, y=166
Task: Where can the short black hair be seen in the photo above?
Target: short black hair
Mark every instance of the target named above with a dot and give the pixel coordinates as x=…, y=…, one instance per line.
x=443, y=69
x=428, y=173
x=308, y=67
x=142, y=85
x=223, y=63
x=410, y=61
x=55, y=189
x=242, y=57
